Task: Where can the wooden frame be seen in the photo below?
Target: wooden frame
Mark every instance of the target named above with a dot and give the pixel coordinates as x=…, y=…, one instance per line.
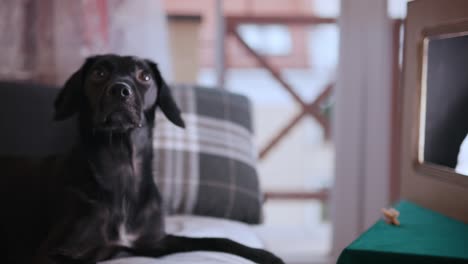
x=418, y=185
x=443, y=31
x=312, y=108
x=307, y=109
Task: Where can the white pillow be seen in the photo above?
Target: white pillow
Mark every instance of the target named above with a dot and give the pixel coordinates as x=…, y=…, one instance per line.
x=201, y=226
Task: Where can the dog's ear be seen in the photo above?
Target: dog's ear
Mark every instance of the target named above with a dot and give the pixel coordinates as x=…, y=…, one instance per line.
x=165, y=101
x=69, y=98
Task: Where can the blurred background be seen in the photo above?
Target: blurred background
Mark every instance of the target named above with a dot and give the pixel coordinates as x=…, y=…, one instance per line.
x=283, y=55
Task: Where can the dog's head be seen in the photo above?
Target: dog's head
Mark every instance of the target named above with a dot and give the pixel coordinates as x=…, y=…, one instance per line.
x=115, y=93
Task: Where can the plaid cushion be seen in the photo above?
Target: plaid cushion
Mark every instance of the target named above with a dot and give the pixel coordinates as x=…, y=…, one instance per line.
x=208, y=168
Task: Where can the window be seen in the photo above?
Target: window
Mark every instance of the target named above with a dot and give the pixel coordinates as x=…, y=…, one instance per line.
x=274, y=40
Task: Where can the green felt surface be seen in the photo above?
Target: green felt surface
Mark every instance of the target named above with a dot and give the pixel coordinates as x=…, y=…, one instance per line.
x=424, y=236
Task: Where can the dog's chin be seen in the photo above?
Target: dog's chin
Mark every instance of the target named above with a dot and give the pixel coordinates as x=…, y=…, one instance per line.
x=117, y=122
x=115, y=128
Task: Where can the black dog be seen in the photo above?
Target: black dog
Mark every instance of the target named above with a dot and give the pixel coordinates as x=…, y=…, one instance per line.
x=100, y=199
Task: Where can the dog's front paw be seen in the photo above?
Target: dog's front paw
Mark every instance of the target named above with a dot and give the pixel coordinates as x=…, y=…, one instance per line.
x=266, y=257
x=67, y=256
x=274, y=260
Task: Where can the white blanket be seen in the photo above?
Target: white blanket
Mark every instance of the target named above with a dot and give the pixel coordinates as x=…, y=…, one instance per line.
x=196, y=226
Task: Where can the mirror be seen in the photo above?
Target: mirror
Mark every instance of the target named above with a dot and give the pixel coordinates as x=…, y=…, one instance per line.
x=443, y=141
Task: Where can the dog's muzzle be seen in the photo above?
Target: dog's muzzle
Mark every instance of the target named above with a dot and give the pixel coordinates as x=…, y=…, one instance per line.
x=120, y=90
x=118, y=109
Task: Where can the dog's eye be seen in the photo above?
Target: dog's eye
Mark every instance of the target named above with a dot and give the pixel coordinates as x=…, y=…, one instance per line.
x=99, y=74
x=144, y=76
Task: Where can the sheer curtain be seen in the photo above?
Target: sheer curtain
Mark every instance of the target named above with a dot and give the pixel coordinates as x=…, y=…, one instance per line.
x=126, y=27
x=361, y=119
x=140, y=28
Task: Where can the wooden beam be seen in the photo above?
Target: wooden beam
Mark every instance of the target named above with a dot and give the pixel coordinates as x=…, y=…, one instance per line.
x=322, y=195
x=322, y=96
x=312, y=109
x=234, y=21
x=282, y=133
x=270, y=68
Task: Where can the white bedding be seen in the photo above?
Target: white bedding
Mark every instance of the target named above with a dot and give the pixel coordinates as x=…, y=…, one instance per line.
x=196, y=226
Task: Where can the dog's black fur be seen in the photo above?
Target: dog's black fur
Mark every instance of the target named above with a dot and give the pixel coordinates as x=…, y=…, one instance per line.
x=100, y=199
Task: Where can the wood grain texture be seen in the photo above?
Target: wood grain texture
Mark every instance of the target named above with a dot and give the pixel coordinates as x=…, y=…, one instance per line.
x=437, y=193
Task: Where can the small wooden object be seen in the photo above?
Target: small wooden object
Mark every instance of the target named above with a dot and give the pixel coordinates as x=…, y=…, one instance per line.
x=391, y=216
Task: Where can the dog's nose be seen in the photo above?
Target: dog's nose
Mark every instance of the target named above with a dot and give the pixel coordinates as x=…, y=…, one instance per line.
x=121, y=90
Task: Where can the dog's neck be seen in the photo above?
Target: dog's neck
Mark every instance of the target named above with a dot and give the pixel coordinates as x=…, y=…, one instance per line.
x=121, y=162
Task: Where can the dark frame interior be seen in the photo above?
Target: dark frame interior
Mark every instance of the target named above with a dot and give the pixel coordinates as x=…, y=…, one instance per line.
x=442, y=42
x=446, y=107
